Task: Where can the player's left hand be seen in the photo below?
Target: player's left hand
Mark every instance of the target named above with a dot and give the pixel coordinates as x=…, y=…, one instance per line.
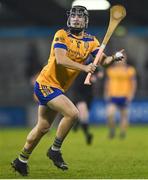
x=118, y=56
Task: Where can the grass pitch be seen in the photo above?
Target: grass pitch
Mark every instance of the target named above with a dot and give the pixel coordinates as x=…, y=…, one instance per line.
x=104, y=159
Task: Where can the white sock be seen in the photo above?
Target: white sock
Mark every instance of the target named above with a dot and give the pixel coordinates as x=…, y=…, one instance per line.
x=55, y=148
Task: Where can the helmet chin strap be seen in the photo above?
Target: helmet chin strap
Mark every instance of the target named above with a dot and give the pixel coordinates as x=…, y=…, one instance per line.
x=76, y=30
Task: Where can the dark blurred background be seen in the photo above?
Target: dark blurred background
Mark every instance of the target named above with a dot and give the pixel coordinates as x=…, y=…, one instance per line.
x=26, y=31
x=52, y=13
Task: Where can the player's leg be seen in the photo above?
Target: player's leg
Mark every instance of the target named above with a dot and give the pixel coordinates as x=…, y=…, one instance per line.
x=111, y=111
x=84, y=117
x=70, y=114
x=45, y=118
x=124, y=122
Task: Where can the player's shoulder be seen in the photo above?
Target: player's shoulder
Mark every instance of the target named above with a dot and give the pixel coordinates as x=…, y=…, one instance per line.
x=61, y=32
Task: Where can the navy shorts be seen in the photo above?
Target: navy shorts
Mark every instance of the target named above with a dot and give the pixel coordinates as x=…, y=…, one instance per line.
x=46, y=93
x=119, y=101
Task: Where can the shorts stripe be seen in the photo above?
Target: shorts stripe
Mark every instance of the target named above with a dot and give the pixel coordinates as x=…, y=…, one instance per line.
x=46, y=93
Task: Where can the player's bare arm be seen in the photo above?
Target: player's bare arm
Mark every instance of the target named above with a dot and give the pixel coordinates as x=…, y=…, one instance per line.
x=108, y=60
x=63, y=60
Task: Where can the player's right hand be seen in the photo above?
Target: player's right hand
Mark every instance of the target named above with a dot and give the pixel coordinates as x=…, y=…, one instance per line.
x=90, y=68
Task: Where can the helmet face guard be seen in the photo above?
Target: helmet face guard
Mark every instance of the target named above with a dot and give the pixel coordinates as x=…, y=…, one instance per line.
x=80, y=11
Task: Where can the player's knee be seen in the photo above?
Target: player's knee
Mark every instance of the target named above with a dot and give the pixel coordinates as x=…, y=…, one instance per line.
x=111, y=112
x=74, y=114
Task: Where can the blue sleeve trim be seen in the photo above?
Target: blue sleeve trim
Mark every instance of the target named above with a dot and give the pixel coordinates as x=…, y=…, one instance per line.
x=93, y=53
x=59, y=45
x=87, y=39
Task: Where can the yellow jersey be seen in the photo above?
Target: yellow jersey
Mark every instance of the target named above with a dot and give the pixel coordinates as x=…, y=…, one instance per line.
x=119, y=80
x=78, y=49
